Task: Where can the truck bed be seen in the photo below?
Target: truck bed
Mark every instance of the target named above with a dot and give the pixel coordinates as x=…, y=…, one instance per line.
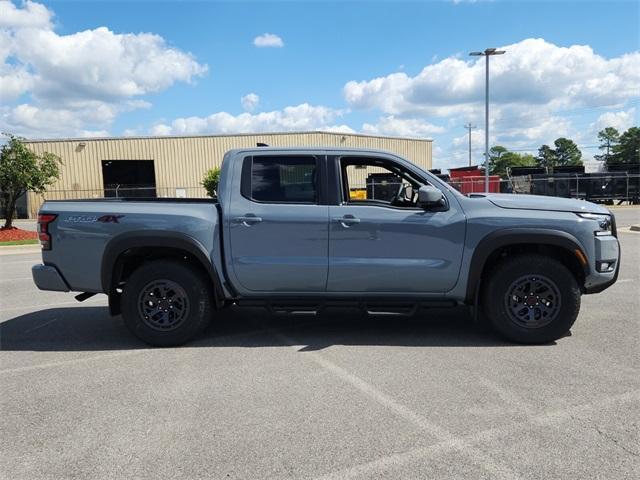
x=83, y=231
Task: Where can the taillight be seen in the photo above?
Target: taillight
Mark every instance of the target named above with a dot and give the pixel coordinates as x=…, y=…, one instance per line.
x=44, y=219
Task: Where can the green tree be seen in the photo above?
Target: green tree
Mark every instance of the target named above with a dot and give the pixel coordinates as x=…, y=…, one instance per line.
x=546, y=157
x=501, y=160
x=210, y=182
x=609, y=138
x=628, y=149
x=567, y=152
x=21, y=170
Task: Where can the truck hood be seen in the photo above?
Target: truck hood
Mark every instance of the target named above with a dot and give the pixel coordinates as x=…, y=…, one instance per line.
x=541, y=202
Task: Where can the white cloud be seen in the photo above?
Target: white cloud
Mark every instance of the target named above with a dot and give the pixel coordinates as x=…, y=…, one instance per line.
x=293, y=118
x=161, y=130
x=533, y=72
x=130, y=132
x=477, y=140
x=30, y=120
x=336, y=129
x=14, y=81
x=621, y=120
x=538, y=91
x=31, y=15
x=94, y=69
x=402, y=127
x=249, y=102
x=268, y=40
x=101, y=64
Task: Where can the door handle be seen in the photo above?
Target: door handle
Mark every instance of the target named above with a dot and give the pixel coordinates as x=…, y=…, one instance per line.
x=247, y=220
x=347, y=221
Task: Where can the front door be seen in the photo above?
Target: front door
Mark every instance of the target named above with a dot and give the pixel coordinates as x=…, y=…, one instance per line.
x=278, y=226
x=380, y=241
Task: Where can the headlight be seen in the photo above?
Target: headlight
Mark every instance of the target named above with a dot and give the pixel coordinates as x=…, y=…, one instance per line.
x=604, y=222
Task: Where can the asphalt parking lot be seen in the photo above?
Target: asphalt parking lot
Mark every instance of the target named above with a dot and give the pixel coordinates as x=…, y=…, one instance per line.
x=335, y=397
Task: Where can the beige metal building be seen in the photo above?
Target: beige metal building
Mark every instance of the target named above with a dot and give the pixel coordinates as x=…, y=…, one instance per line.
x=174, y=166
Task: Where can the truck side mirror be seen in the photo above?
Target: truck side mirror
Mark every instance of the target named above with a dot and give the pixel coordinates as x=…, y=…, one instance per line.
x=429, y=197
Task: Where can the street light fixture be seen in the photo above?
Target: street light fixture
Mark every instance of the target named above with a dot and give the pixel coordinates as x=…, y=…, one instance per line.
x=487, y=53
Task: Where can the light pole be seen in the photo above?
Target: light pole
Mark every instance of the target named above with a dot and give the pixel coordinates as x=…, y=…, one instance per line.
x=487, y=53
x=468, y=126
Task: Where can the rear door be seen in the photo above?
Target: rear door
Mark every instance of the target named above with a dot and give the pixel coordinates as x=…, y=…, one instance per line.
x=278, y=224
x=381, y=241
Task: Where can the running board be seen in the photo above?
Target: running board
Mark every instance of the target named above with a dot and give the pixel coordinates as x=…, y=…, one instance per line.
x=381, y=309
x=314, y=307
x=292, y=310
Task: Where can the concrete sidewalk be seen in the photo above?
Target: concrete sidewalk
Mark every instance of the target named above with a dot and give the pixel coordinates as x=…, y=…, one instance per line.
x=23, y=223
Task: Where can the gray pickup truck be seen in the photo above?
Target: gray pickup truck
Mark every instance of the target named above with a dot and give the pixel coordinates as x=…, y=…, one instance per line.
x=299, y=230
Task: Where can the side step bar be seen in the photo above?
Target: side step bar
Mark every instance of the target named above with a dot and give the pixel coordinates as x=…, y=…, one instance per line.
x=388, y=308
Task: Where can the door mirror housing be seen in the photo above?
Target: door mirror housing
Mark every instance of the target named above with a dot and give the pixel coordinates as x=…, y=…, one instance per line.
x=430, y=197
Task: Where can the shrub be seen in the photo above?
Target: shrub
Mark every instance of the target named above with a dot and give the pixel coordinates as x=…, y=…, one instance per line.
x=210, y=182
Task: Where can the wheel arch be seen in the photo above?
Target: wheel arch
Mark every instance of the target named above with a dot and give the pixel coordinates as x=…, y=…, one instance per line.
x=127, y=251
x=557, y=243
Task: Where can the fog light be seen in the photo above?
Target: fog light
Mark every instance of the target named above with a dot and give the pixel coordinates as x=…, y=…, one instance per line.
x=606, y=266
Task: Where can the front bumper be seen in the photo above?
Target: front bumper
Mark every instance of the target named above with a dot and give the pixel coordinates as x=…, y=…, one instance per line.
x=47, y=277
x=607, y=249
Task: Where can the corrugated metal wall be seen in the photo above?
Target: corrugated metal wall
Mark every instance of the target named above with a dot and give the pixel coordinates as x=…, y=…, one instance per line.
x=180, y=162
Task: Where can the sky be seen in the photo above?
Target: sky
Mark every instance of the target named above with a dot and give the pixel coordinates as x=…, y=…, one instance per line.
x=116, y=68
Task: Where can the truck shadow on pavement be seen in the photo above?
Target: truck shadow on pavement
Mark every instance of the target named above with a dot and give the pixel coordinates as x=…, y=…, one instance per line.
x=92, y=329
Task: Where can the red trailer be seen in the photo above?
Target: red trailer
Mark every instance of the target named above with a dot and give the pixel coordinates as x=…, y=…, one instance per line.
x=471, y=180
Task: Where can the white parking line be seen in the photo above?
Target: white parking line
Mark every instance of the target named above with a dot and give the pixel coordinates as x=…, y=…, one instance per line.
x=40, y=326
x=128, y=352
x=495, y=468
x=72, y=361
x=49, y=305
x=544, y=419
x=513, y=401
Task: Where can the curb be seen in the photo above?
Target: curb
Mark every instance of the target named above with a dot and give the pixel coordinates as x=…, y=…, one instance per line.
x=17, y=249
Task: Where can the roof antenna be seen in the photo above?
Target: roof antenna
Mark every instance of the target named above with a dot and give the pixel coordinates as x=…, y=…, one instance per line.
x=260, y=144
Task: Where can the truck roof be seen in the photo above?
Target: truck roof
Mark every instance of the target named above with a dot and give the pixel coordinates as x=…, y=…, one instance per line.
x=310, y=149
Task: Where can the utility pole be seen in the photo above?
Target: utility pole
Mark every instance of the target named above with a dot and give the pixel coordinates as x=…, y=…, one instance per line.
x=468, y=126
x=487, y=53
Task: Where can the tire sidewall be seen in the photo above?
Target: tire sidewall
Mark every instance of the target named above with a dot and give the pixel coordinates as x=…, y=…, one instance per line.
x=196, y=290
x=513, y=268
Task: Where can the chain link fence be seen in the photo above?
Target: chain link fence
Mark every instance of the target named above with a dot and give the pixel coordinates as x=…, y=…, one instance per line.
x=606, y=187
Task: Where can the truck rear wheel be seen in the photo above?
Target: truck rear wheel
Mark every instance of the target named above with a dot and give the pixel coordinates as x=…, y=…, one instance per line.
x=531, y=299
x=166, y=303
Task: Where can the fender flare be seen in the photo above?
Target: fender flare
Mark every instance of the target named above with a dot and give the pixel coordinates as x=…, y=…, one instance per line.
x=514, y=236
x=157, y=238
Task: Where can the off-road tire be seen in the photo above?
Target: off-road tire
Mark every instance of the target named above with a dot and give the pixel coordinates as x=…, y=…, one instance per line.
x=501, y=307
x=170, y=276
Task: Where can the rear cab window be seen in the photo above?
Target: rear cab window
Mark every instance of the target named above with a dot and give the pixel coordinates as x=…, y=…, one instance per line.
x=280, y=179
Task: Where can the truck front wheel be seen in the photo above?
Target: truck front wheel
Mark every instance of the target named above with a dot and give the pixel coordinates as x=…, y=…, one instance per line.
x=166, y=303
x=531, y=299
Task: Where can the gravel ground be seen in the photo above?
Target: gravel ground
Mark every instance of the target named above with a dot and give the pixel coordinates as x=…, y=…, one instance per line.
x=336, y=397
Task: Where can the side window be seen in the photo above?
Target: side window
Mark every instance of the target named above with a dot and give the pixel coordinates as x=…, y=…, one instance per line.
x=282, y=179
x=374, y=181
